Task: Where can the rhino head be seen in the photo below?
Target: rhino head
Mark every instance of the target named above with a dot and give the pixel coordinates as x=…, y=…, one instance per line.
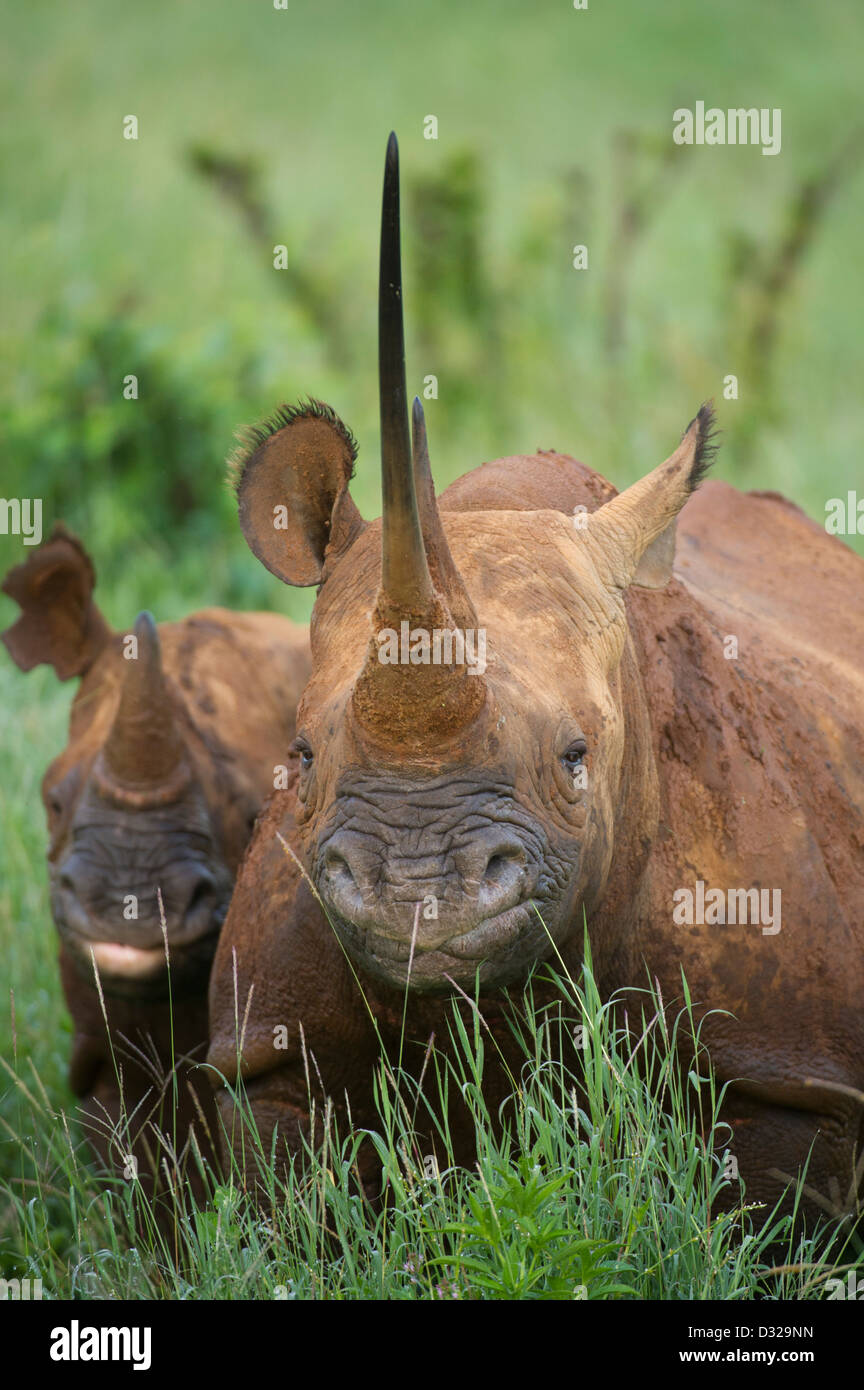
x=469, y=762
x=128, y=810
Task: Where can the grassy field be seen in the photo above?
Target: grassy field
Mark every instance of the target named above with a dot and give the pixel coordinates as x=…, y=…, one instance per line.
x=155, y=258
x=602, y=1182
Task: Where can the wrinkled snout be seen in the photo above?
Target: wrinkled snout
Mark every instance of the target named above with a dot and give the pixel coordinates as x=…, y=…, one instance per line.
x=93, y=904
x=110, y=906
x=424, y=903
x=378, y=887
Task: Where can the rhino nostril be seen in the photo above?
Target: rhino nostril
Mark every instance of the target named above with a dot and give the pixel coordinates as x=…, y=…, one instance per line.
x=503, y=864
x=198, y=892
x=349, y=873
x=71, y=907
x=497, y=867
x=346, y=863
x=339, y=868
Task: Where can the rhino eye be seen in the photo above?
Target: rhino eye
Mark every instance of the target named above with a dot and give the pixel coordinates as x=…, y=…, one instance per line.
x=304, y=752
x=575, y=753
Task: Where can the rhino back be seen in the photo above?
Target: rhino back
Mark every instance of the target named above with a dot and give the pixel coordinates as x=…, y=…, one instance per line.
x=760, y=754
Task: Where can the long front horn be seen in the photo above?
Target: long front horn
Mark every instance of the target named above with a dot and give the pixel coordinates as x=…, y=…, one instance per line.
x=405, y=576
x=144, y=759
x=414, y=704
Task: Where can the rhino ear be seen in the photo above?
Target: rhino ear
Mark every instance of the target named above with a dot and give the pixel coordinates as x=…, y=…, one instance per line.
x=654, y=569
x=60, y=624
x=291, y=476
x=632, y=537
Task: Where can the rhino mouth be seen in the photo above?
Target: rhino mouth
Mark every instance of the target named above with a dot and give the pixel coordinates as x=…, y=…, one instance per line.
x=130, y=956
x=144, y=971
x=501, y=947
x=112, y=958
x=486, y=938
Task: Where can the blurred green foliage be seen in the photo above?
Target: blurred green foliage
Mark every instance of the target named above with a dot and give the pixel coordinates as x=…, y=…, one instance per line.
x=155, y=256
x=76, y=433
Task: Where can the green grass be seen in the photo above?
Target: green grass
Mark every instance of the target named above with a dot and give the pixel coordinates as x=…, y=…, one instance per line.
x=596, y=1182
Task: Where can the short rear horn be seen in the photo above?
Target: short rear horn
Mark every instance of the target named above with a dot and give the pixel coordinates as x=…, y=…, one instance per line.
x=144, y=758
